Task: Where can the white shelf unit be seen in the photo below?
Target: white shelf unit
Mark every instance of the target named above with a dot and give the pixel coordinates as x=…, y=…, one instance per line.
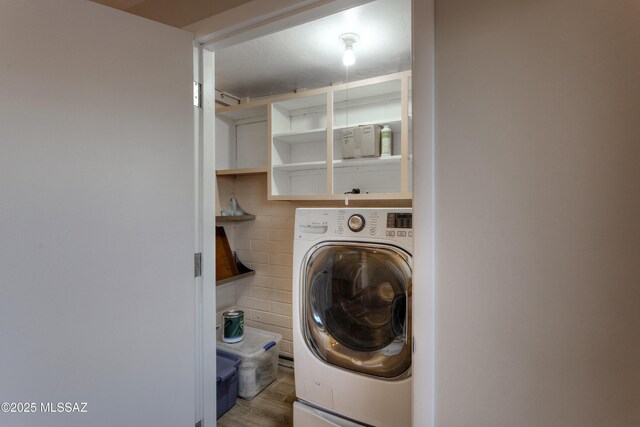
x=296, y=139
x=241, y=129
x=306, y=160
x=378, y=103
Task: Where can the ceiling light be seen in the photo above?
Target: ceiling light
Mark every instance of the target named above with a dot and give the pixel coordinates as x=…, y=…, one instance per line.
x=349, y=57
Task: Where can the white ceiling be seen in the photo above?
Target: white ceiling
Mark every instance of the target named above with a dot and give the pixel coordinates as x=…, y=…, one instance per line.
x=310, y=55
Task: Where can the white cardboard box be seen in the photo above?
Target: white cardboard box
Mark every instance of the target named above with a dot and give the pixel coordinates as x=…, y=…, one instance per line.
x=361, y=141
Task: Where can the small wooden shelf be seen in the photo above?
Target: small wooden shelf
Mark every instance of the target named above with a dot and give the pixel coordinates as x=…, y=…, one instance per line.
x=235, y=217
x=238, y=277
x=243, y=270
x=243, y=171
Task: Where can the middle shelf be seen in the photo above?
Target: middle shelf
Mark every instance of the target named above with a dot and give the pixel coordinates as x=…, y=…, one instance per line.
x=340, y=163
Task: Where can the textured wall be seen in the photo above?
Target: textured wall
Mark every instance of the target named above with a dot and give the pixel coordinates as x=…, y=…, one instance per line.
x=538, y=237
x=266, y=246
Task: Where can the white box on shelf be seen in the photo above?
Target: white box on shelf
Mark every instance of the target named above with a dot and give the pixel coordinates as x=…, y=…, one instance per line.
x=258, y=351
x=361, y=141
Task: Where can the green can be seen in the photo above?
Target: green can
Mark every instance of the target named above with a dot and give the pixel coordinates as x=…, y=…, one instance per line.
x=233, y=330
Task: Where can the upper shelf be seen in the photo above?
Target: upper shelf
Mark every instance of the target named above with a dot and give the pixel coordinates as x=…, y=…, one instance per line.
x=395, y=125
x=243, y=111
x=318, y=135
x=300, y=137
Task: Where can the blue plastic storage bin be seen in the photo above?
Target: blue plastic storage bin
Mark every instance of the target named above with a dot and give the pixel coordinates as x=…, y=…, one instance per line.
x=227, y=381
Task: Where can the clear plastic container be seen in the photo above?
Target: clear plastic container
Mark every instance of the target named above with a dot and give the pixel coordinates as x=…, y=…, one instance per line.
x=258, y=351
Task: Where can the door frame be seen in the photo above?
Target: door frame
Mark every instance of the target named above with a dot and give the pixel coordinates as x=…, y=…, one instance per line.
x=261, y=17
x=204, y=187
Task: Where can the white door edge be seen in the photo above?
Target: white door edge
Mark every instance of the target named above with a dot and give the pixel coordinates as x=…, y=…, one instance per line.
x=204, y=184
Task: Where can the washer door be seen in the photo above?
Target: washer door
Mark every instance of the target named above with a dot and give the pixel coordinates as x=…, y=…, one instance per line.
x=357, y=306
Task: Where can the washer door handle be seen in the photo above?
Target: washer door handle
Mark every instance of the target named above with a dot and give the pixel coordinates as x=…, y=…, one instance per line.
x=398, y=316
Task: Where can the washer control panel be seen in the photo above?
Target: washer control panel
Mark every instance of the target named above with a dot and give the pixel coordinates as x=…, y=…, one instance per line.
x=387, y=223
x=394, y=224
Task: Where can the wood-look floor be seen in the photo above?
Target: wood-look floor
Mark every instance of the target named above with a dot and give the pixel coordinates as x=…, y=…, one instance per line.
x=272, y=407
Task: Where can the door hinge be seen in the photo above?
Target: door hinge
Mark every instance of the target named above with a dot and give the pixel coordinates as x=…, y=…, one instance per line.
x=197, y=262
x=197, y=94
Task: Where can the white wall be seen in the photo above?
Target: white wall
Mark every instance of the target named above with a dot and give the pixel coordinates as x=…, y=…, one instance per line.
x=96, y=215
x=225, y=156
x=538, y=213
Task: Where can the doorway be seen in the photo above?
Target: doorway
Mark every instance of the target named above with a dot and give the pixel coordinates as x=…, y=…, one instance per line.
x=215, y=46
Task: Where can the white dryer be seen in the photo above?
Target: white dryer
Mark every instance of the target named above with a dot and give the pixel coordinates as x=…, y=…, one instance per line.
x=351, y=316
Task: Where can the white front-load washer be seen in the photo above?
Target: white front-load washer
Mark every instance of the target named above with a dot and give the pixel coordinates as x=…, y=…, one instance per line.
x=351, y=317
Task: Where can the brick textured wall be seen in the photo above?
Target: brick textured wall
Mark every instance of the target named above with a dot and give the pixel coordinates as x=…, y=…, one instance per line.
x=266, y=246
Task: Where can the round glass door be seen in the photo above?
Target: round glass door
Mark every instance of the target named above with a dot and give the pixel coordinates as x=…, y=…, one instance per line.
x=357, y=307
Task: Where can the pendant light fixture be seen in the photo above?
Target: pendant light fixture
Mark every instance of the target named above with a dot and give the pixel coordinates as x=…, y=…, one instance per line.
x=349, y=56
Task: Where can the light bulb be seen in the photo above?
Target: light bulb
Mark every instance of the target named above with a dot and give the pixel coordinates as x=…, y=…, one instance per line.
x=349, y=57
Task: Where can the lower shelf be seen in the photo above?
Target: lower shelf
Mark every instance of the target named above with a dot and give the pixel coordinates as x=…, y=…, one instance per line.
x=238, y=277
x=243, y=271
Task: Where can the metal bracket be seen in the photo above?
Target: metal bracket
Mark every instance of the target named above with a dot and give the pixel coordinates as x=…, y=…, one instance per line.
x=197, y=94
x=225, y=99
x=197, y=262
